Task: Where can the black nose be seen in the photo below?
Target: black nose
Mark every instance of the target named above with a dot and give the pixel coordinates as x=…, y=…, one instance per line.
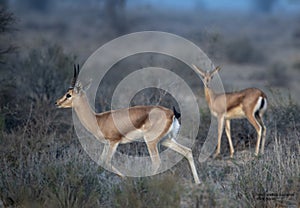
x=55, y=103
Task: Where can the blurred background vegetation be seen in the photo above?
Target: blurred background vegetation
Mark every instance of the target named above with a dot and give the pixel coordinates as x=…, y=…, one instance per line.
x=41, y=160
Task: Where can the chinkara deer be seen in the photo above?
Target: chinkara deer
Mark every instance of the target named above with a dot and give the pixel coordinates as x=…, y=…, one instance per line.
x=155, y=124
x=250, y=103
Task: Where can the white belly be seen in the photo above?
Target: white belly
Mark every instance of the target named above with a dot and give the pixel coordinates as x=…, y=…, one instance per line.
x=136, y=135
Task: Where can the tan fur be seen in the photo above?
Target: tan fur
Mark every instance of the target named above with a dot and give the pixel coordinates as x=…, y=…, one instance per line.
x=152, y=123
x=235, y=105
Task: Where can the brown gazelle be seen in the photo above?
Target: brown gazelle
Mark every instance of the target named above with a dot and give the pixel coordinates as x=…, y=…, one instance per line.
x=155, y=124
x=250, y=103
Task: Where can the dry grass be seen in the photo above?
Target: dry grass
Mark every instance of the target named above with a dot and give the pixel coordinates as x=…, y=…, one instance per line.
x=43, y=164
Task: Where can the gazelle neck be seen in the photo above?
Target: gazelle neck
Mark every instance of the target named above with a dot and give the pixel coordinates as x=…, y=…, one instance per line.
x=86, y=115
x=209, y=96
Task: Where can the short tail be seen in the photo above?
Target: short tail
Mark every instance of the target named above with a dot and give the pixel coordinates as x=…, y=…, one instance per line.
x=261, y=107
x=176, y=114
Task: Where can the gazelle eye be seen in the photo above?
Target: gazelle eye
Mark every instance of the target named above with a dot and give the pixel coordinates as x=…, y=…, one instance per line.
x=68, y=95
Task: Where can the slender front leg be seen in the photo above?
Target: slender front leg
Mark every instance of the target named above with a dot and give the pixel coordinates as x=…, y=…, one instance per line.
x=227, y=130
x=154, y=155
x=220, y=131
x=106, y=156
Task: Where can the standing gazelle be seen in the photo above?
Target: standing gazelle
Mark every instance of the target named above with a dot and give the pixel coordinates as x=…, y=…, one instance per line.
x=250, y=103
x=153, y=123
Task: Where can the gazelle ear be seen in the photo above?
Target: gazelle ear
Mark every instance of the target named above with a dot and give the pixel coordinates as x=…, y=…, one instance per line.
x=201, y=72
x=77, y=87
x=87, y=85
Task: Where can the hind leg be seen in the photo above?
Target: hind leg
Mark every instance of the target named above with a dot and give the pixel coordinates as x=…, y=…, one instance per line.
x=251, y=118
x=154, y=155
x=264, y=130
x=186, y=152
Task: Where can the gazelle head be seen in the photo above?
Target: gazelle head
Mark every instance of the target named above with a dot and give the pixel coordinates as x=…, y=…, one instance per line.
x=66, y=101
x=207, y=76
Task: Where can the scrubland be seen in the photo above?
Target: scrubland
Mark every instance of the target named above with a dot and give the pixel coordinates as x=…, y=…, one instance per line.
x=43, y=163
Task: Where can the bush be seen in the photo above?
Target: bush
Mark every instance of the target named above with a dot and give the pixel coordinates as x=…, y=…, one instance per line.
x=7, y=21
x=30, y=177
x=267, y=184
x=38, y=80
x=242, y=51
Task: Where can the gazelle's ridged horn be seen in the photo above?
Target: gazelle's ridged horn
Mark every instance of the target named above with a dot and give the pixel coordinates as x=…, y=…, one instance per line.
x=74, y=77
x=77, y=70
